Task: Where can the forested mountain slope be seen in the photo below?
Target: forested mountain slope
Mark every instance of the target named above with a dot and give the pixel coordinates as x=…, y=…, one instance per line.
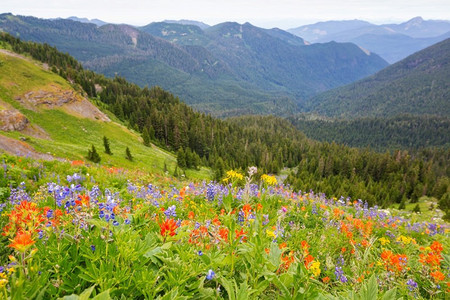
x=418, y=85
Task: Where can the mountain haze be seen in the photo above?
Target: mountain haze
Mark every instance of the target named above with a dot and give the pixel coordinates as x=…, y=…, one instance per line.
x=393, y=42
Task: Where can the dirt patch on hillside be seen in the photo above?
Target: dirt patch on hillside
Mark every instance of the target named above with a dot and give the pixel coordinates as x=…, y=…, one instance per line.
x=12, y=119
x=21, y=148
x=53, y=96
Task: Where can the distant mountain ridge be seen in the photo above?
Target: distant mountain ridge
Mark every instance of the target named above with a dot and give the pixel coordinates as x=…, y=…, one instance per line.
x=393, y=42
x=188, y=22
x=417, y=85
x=86, y=20
x=226, y=69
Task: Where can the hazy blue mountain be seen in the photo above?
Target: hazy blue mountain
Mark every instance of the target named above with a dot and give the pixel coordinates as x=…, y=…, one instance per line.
x=400, y=45
x=86, y=20
x=225, y=69
x=420, y=28
x=417, y=85
x=392, y=42
x=326, y=30
x=188, y=22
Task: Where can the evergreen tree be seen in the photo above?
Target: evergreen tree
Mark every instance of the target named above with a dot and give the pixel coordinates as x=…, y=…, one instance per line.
x=416, y=208
x=106, y=144
x=402, y=204
x=219, y=171
x=146, y=137
x=93, y=155
x=181, y=158
x=128, y=154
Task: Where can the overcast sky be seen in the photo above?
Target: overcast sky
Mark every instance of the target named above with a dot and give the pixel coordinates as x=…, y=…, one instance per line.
x=265, y=13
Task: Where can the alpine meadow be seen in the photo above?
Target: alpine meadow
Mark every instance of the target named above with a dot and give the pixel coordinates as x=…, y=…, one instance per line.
x=182, y=160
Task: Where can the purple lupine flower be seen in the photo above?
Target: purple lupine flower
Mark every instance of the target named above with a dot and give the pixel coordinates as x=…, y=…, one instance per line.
x=411, y=284
x=49, y=213
x=210, y=275
x=265, y=220
x=171, y=211
x=340, y=274
x=93, y=248
x=211, y=192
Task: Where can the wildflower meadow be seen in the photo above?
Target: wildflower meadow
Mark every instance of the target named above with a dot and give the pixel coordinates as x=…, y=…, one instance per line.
x=79, y=232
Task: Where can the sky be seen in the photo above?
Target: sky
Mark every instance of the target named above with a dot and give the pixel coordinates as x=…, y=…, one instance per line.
x=264, y=13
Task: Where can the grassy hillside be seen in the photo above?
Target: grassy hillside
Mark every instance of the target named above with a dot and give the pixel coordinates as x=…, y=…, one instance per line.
x=67, y=135
x=419, y=84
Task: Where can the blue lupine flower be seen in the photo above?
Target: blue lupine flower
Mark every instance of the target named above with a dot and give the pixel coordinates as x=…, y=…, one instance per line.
x=171, y=211
x=93, y=248
x=210, y=275
x=115, y=223
x=411, y=284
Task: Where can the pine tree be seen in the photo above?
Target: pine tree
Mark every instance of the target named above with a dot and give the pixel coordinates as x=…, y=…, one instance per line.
x=106, y=144
x=93, y=155
x=146, y=137
x=181, y=158
x=128, y=154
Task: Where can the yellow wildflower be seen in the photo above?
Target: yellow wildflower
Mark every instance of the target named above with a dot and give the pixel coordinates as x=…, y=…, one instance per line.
x=405, y=240
x=270, y=233
x=315, y=268
x=384, y=241
x=269, y=179
x=233, y=175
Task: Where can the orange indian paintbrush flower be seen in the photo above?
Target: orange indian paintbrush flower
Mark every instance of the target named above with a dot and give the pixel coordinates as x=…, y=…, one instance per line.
x=168, y=227
x=22, y=241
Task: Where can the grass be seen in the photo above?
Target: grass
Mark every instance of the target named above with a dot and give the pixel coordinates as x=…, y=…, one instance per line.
x=71, y=136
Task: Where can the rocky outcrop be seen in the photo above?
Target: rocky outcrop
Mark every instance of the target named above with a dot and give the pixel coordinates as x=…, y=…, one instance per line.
x=12, y=120
x=54, y=97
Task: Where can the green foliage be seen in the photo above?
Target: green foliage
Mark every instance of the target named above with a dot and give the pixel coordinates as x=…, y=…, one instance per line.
x=146, y=136
x=106, y=145
x=93, y=155
x=181, y=158
x=128, y=154
x=416, y=208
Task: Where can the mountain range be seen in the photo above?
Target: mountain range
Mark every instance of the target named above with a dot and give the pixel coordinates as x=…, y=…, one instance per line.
x=392, y=42
x=226, y=69
x=418, y=84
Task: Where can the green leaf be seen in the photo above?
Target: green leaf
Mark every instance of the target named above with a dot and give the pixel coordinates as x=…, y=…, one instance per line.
x=229, y=287
x=372, y=288
x=83, y=296
x=242, y=293
x=390, y=295
x=102, y=296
